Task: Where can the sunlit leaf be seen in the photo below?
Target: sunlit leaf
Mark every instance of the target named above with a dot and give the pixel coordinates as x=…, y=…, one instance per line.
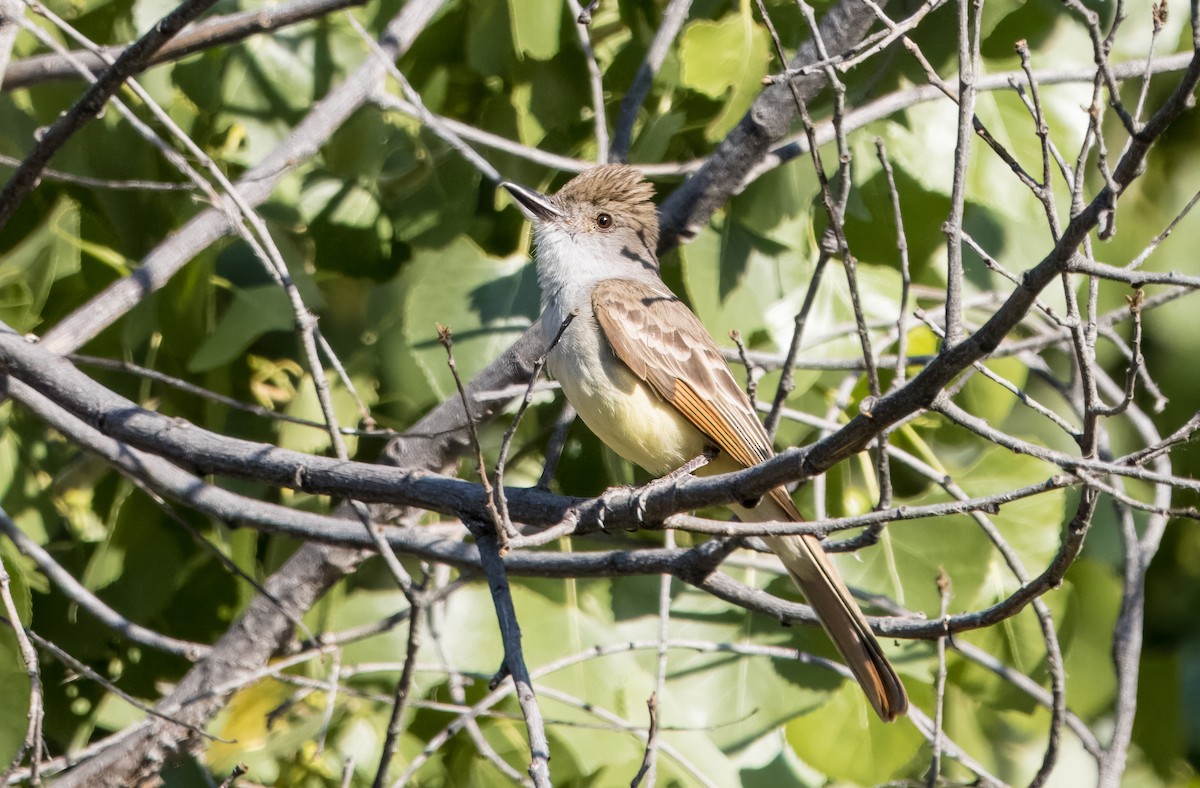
x=845, y=740
x=726, y=60
x=29, y=270
x=253, y=312
x=535, y=26
x=485, y=301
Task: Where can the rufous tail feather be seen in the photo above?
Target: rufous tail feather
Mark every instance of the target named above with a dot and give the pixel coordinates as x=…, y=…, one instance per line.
x=821, y=585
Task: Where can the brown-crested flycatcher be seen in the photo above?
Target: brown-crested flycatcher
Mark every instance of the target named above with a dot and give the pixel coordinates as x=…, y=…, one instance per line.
x=645, y=375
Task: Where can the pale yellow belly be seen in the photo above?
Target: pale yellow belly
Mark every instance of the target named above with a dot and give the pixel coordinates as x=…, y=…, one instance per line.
x=631, y=420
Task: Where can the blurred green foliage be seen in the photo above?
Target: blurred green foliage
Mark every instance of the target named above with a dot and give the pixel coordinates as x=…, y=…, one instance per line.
x=388, y=231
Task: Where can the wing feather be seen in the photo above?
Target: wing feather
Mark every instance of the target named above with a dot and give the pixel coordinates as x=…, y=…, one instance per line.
x=667, y=346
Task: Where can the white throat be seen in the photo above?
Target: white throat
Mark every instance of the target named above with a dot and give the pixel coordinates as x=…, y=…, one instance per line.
x=570, y=264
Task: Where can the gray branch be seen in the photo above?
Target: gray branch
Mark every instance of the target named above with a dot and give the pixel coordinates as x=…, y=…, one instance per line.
x=722, y=175
x=205, y=35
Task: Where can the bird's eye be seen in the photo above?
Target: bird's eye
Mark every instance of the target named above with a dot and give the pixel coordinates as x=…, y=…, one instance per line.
x=603, y=221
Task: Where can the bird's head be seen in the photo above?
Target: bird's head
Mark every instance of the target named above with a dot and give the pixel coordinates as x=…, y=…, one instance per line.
x=601, y=224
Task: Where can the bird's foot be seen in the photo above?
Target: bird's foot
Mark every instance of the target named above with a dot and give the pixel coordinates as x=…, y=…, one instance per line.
x=642, y=495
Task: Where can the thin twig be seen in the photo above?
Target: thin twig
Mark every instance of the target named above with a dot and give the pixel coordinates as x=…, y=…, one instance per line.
x=506, y=441
x=649, y=769
x=75, y=591
x=558, y=442
x=436, y=615
x=32, y=743
x=75, y=665
x=968, y=65
x=901, y=366
x=235, y=774
x=751, y=368
x=786, y=380
x=404, y=688
x=212, y=396
x=431, y=121
x=132, y=60
x=503, y=527
x=646, y=772
x=207, y=34
x=674, y=15
x=514, y=659
x=583, y=19
x=935, y=766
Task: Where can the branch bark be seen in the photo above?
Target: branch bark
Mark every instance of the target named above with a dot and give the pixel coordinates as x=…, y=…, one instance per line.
x=722, y=175
x=214, y=32
x=165, y=260
x=132, y=60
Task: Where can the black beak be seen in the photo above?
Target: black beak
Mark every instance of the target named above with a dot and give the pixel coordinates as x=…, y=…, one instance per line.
x=536, y=206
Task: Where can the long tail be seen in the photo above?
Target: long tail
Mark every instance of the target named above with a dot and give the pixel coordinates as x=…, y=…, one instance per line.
x=812, y=570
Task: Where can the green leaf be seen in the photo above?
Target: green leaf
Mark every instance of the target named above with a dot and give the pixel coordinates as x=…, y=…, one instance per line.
x=535, y=27
x=726, y=59
x=29, y=270
x=987, y=399
x=911, y=553
x=15, y=685
x=347, y=226
x=140, y=553
x=74, y=497
x=254, y=312
x=336, y=201
x=739, y=698
x=313, y=440
x=18, y=577
x=655, y=136
x=11, y=466
x=487, y=303
x=430, y=192
x=242, y=725
x=738, y=279
x=1093, y=602
x=845, y=740
x=14, y=694
x=734, y=276
x=487, y=51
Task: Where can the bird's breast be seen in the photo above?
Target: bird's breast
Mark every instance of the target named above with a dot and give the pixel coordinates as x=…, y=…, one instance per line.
x=622, y=410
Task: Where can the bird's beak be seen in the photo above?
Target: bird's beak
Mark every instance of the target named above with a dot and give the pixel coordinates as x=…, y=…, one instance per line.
x=536, y=206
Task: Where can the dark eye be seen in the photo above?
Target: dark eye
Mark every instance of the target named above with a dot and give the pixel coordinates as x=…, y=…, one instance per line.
x=603, y=221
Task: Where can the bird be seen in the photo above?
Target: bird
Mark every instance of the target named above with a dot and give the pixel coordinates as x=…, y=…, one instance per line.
x=647, y=378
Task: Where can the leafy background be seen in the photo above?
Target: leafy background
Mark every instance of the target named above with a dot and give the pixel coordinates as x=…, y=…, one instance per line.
x=388, y=231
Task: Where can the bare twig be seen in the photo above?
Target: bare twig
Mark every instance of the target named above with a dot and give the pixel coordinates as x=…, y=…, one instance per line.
x=673, y=18
x=506, y=441
x=558, y=442
x=935, y=766
x=75, y=591
x=646, y=772
x=649, y=769
x=32, y=743
x=583, y=19
x=210, y=33
x=10, y=14
x=75, y=665
x=212, y=396
x=255, y=186
x=751, y=368
x=786, y=384
x=905, y=275
x=499, y=521
x=132, y=60
x=404, y=687
x=514, y=659
x=238, y=771
x=968, y=64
